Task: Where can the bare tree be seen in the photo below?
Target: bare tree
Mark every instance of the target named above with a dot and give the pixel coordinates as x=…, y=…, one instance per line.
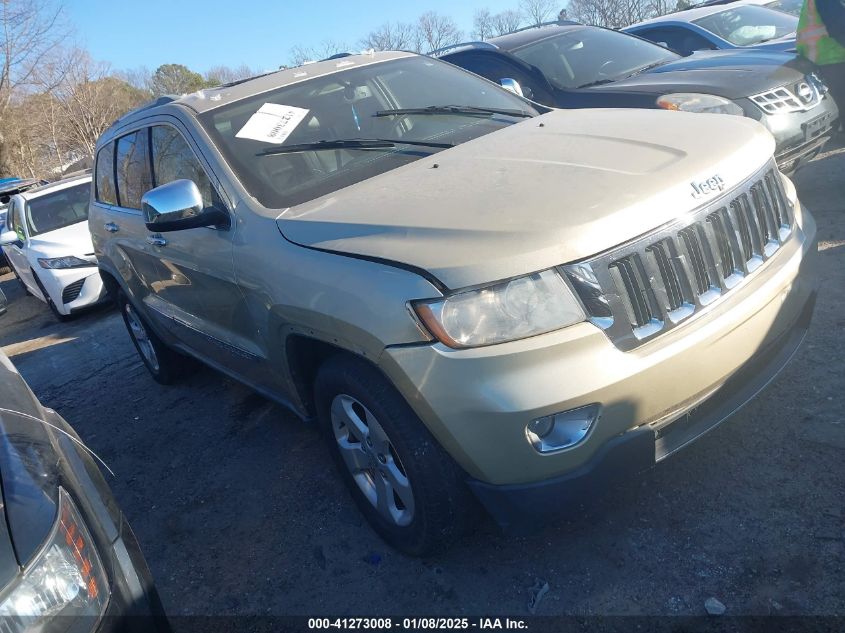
x=140, y=78
x=610, y=13
x=437, y=31
x=398, y=36
x=539, y=11
x=482, y=23
x=302, y=54
x=219, y=75
x=506, y=22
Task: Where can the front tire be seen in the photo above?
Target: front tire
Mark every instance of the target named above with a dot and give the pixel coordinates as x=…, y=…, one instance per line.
x=409, y=489
x=164, y=365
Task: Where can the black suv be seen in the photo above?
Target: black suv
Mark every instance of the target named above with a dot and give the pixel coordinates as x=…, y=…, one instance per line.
x=569, y=65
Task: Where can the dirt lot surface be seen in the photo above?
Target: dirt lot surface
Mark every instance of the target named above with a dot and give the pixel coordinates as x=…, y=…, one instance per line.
x=239, y=510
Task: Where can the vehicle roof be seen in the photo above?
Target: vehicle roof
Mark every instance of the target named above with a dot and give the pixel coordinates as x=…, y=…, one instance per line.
x=689, y=15
x=523, y=37
x=212, y=98
x=13, y=184
x=57, y=185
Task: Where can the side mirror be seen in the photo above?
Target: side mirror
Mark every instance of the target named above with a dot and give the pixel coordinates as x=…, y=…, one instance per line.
x=512, y=85
x=177, y=206
x=8, y=237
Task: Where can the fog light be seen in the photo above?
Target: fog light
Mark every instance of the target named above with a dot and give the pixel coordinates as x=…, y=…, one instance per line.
x=561, y=430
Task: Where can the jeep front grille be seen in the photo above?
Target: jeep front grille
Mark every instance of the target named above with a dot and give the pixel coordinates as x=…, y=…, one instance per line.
x=71, y=291
x=649, y=286
x=798, y=97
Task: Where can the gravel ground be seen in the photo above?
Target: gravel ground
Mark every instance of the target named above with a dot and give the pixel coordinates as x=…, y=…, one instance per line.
x=239, y=510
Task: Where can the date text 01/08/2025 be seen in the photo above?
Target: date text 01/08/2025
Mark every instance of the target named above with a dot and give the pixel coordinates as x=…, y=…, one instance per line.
x=413, y=624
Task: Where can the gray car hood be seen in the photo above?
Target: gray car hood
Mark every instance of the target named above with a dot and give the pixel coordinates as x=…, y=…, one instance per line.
x=543, y=192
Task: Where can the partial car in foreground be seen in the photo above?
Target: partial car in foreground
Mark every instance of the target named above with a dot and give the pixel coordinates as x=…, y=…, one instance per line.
x=68, y=558
x=468, y=296
x=49, y=247
x=576, y=66
x=738, y=25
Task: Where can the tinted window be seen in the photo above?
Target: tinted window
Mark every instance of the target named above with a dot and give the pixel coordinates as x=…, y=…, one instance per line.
x=173, y=159
x=58, y=209
x=681, y=40
x=495, y=68
x=343, y=105
x=585, y=56
x=105, y=175
x=133, y=169
x=747, y=25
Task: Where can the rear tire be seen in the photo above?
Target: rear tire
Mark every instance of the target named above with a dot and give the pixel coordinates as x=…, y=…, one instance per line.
x=165, y=365
x=410, y=490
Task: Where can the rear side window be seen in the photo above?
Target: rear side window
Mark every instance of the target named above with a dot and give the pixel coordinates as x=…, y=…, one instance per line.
x=173, y=159
x=105, y=175
x=133, y=169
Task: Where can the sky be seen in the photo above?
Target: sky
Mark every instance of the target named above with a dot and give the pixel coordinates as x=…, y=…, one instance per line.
x=260, y=33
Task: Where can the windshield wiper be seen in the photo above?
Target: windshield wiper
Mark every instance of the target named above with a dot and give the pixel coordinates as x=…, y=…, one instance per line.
x=456, y=110
x=349, y=143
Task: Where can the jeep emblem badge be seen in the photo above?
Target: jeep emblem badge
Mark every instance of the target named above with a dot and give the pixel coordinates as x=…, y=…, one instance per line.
x=805, y=92
x=712, y=185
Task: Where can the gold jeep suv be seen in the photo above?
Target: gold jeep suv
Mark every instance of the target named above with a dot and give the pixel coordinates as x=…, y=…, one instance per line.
x=475, y=301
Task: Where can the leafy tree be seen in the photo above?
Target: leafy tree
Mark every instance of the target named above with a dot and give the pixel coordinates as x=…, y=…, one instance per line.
x=175, y=79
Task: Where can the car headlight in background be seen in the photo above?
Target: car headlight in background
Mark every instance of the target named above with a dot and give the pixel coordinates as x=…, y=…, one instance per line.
x=695, y=102
x=507, y=311
x=66, y=578
x=64, y=262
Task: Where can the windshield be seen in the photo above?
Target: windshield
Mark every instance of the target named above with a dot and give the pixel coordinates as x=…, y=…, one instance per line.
x=349, y=105
x=748, y=24
x=588, y=56
x=58, y=209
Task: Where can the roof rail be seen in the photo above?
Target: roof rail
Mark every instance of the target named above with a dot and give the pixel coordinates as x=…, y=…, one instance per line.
x=474, y=44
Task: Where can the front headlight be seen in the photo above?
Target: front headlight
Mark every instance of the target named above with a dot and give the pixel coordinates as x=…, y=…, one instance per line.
x=66, y=578
x=64, y=262
x=695, y=102
x=507, y=311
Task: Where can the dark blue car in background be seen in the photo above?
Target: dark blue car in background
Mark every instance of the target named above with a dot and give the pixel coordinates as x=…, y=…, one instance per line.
x=569, y=65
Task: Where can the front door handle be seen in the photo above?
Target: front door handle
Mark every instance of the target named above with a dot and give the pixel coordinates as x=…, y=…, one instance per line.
x=156, y=240
x=111, y=227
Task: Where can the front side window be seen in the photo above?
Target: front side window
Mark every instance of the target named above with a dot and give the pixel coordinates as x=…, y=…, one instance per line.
x=133, y=169
x=173, y=159
x=747, y=25
x=681, y=40
x=58, y=209
x=589, y=56
x=350, y=105
x=106, y=191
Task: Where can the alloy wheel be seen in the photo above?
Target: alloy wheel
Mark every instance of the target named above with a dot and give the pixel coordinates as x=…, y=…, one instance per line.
x=141, y=338
x=372, y=460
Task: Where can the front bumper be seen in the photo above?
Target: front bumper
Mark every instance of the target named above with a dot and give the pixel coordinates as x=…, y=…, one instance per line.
x=477, y=402
x=57, y=283
x=517, y=508
x=800, y=136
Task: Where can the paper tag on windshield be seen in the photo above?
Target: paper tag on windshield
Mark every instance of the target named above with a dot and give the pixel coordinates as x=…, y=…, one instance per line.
x=273, y=123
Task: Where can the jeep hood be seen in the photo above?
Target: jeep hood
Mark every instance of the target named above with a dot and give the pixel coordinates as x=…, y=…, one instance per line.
x=732, y=74
x=546, y=191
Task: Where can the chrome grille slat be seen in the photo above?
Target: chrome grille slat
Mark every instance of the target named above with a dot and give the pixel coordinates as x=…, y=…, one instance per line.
x=660, y=280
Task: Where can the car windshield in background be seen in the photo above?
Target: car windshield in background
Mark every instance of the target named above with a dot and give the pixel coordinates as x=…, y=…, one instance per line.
x=345, y=130
x=749, y=24
x=59, y=209
x=591, y=56
x=787, y=6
